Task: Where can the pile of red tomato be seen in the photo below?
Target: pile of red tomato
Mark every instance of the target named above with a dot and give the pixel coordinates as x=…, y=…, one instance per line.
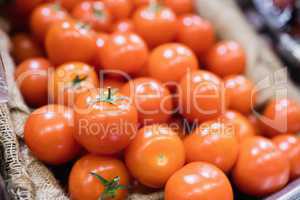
x=171, y=111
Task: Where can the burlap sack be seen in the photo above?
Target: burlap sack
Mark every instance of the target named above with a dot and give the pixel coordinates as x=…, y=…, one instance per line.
x=27, y=178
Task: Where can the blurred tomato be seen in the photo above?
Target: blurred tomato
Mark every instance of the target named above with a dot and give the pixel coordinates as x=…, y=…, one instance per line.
x=226, y=58
x=261, y=168
x=198, y=180
x=290, y=145
x=48, y=132
x=125, y=25
x=242, y=94
x=43, y=17
x=94, y=178
x=105, y=121
x=70, y=41
x=196, y=33
x=241, y=125
x=213, y=142
x=155, y=23
x=94, y=13
x=151, y=98
x=28, y=74
x=120, y=9
x=70, y=80
x=126, y=52
x=171, y=61
x=154, y=155
x=180, y=6
x=280, y=116
x=201, y=96
x=24, y=47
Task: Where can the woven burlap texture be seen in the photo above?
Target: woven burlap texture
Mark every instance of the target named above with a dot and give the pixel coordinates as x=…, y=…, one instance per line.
x=27, y=178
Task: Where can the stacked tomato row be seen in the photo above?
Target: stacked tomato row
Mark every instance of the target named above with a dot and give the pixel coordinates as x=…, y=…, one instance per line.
x=171, y=109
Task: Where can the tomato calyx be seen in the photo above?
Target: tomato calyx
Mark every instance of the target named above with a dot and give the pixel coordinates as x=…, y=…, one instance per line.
x=81, y=25
x=56, y=7
x=155, y=6
x=110, y=186
x=98, y=12
x=109, y=96
x=77, y=80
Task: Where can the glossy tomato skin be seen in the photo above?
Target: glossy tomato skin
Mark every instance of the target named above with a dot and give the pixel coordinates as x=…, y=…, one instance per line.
x=171, y=61
x=241, y=125
x=101, y=39
x=82, y=185
x=120, y=9
x=151, y=98
x=121, y=53
x=198, y=180
x=202, y=96
x=68, y=4
x=104, y=126
x=125, y=25
x=261, y=168
x=94, y=13
x=69, y=41
x=213, y=142
x=25, y=7
x=48, y=132
x=226, y=58
x=44, y=16
x=24, y=47
x=71, y=79
x=284, y=115
x=27, y=75
x=290, y=146
x=241, y=93
x=180, y=6
x=155, y=17
x=196, y=33
x=154, y=155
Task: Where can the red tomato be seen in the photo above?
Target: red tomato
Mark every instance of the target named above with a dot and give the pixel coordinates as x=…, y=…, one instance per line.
x=201, y=96
x=105, y=121
x=290, y=146
x=24, y=47
x=67, y=4
x=91, y=175
x=180, y=6
x=124, y=51
x=101, y=39
x=94, y=13
x=214, y=142
x=280, y=116
x=70, y=80
x=125, y=25
x=154, y=155
x=151, y=98
x=196, y=33
x=170, y=62
x=28, y=74
x=48, y=132
x=242, y=94
x=261, y=168
x=198, y=180
x=226, y=58
x=120, y=9
x=44, y=16
x=241, y=125
x=24, y=7
x=155, y=23
x=70, y=41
